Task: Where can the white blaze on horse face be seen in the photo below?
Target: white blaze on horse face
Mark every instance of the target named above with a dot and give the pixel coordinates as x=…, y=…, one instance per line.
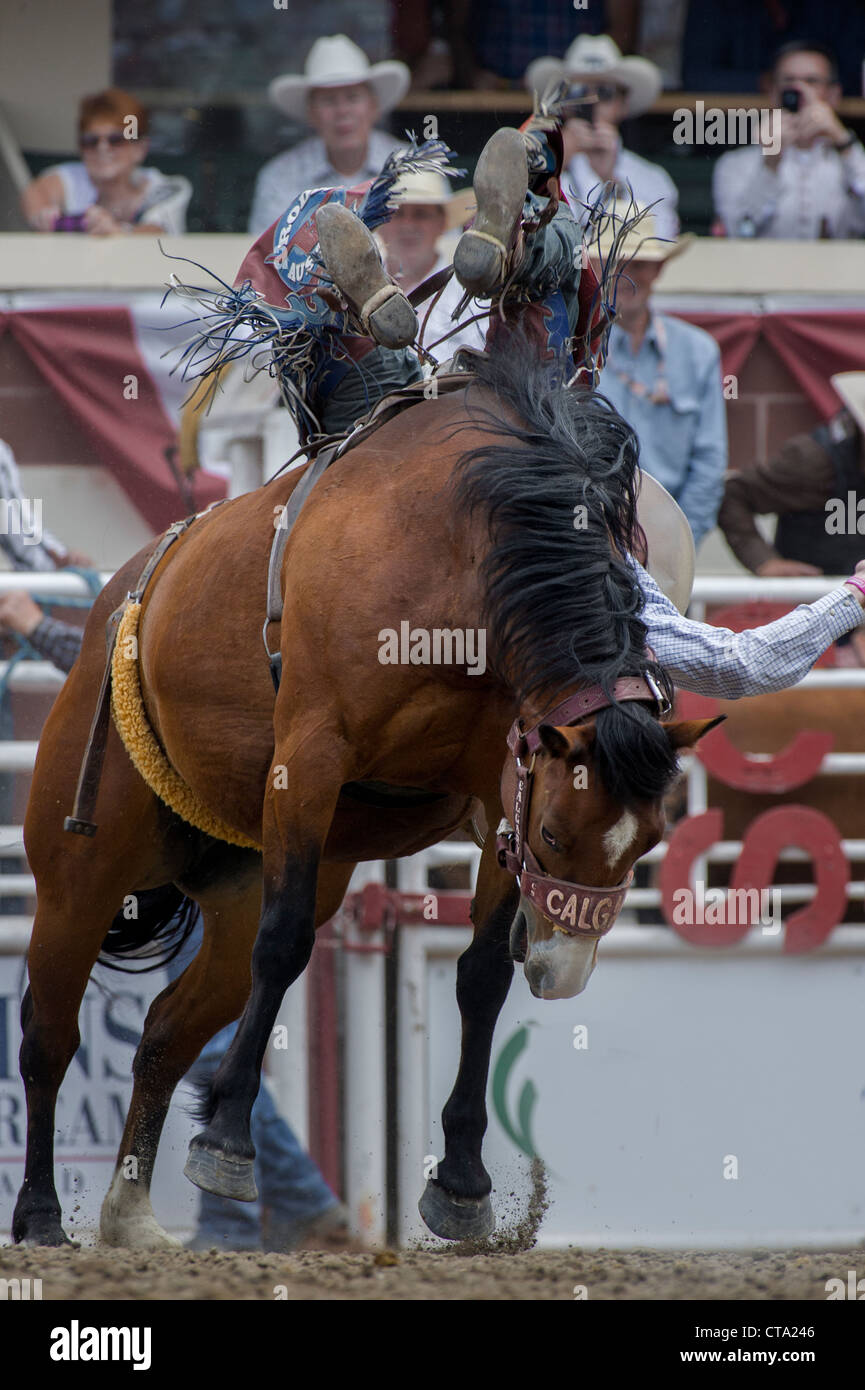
x=561, y=967
x=620, y=837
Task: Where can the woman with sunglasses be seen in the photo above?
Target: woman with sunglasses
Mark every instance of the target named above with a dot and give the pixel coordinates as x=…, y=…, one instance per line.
x=108, y=192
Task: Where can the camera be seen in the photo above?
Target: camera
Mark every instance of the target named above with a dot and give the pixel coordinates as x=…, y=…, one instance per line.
x=791, y=99
x=575, y=104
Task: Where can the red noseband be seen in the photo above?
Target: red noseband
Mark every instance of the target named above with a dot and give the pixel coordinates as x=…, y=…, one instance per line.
x=571, y=907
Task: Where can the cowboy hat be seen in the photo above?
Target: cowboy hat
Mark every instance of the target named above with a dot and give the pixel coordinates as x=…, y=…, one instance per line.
x=596, y=58
x=432, y=188
x=337, y=62
x=640, y=241
x=850, y=386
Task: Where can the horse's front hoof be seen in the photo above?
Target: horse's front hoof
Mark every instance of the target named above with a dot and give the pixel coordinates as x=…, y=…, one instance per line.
x=220, y=1173
x=41, y=1229
x=456, y=1218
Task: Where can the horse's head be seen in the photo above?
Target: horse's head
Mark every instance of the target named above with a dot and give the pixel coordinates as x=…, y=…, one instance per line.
x=580, y=841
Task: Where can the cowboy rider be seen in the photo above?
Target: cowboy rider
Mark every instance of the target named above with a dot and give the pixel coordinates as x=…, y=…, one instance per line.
x=341, y=340
x=340, y=359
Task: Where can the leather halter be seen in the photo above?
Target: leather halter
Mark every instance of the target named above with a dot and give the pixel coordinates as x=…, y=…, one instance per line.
x=574, y=908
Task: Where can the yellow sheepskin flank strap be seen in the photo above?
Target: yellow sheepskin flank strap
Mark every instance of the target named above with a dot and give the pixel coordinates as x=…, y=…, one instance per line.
x=127, y=707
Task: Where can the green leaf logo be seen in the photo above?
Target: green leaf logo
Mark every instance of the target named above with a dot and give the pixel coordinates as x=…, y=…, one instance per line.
x=520, y=1132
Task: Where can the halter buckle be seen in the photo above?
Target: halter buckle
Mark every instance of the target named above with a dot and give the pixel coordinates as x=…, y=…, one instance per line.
x=664, y=705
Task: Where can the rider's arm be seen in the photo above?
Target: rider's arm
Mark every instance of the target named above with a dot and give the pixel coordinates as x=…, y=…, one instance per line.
x=715, y=661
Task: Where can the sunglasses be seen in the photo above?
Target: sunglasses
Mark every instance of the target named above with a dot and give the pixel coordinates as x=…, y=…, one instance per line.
x=580, y=92
x=90, y=142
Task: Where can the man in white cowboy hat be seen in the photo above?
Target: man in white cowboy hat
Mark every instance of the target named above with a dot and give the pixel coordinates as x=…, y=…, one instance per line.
x=606, y=88
x=664, y=377
x=341, y=95
x=413, y=238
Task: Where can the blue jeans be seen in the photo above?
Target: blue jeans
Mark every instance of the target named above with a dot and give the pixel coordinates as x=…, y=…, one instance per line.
x=289, y=1182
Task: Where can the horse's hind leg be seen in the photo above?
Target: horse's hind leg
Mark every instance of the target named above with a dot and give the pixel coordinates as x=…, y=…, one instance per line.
x=210, y=993
x=80, y=887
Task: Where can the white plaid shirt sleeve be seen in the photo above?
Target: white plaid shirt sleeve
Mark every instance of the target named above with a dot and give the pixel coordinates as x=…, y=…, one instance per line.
x=727, y=665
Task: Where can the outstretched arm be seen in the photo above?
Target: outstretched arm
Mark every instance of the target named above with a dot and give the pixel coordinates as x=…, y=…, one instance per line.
x=727, y=665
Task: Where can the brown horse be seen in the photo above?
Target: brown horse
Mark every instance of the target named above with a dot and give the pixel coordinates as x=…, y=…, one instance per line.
x=458, y=515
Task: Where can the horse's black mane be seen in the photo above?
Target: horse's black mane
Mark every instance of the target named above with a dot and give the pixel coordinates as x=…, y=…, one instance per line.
x=562, y=604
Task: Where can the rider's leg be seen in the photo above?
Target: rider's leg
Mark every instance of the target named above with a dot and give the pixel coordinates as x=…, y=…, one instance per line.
x=346, y=373
x=541, y=268
x=371, y=375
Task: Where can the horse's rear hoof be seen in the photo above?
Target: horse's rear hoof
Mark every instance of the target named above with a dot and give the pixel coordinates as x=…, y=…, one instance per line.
x=215, y=1171
x=456, y=1218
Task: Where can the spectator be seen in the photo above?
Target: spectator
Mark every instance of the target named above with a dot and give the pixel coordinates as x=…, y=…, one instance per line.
x=108, y=192
x=427, y=209
x=814, y=185
x=341, y=95
x=27, y=547
x=663, y=376
x=500, y=38
x=605, y=89
x=56, y=641
x=796, y=485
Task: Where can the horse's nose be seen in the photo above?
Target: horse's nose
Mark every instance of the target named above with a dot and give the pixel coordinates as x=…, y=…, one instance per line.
x=541, y=980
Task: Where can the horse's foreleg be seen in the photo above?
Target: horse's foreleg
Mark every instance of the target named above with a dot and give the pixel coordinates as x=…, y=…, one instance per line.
x=456, y=1203
x=299, y=807
x=209, y=994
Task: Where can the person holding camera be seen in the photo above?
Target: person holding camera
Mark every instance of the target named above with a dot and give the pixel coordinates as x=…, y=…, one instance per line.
x=108, y=192
x=811, y=183
x=606, y=89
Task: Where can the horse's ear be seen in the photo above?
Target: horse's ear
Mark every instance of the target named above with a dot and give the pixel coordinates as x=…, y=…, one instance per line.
x=555, y=743
x=687, y=732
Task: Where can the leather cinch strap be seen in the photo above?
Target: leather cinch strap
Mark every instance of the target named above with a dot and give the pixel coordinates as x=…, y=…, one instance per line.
x=290, y=513
x=81, y=821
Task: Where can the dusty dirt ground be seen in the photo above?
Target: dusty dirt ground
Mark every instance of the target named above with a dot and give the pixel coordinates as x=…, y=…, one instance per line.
x=431, y=1274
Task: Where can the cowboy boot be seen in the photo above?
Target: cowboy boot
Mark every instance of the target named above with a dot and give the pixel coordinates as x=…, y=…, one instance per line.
x=500, y=183
x=352, y=260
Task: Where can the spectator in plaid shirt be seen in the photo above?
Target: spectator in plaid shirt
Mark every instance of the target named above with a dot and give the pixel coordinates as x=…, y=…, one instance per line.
x=56, y=641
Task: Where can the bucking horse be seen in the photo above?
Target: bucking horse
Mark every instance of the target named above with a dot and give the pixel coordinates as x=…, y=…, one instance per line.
x=507, y=507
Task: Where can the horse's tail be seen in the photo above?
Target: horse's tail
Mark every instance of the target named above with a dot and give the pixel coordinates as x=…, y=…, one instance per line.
x=151, y=927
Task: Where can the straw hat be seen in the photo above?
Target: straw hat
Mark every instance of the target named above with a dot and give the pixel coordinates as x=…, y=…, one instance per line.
x=337, y=62
x=640, y=243
x=596, y=58
x=671, y=559
x=851, y=388
x=432, y=188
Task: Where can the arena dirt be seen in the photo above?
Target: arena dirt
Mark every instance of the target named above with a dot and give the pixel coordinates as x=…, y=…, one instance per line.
x=445, y=1273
